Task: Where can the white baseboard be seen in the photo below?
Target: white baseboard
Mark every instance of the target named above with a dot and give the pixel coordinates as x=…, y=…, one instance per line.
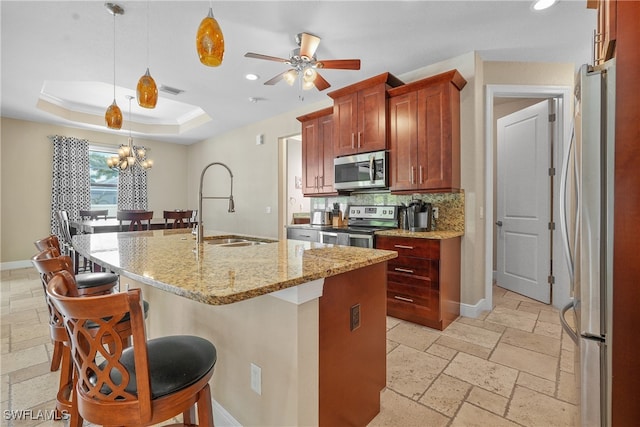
x=221, y=417
x=14, y=265
x=474, y=311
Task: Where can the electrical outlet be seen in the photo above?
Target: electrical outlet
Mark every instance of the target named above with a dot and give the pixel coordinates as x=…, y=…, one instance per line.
x=354, y=318
x=267, y=209
x=435, y=212
x=256, y=379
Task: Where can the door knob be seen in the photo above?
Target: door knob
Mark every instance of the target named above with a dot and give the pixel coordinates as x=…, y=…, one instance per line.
x=499, y=223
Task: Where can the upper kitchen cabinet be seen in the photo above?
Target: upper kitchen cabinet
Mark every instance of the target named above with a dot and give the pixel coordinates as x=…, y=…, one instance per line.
x=317, y=152
x=360, y=115
x=424, y=140
x=604, y=40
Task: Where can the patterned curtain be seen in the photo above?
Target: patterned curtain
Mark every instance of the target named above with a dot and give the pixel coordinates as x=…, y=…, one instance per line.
x=132, y=188
x=71, y=186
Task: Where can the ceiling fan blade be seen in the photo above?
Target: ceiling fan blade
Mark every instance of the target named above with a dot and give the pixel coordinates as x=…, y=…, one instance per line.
x=340, y=64
x=320, y=83
x=308, y=45
x=276, y=79
x=266, y=57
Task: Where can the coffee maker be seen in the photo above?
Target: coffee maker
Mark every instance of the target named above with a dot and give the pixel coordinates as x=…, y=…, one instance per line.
x=416, y=216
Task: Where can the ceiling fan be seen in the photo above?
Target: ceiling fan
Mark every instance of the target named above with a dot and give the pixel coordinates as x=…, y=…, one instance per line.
x=304, y=63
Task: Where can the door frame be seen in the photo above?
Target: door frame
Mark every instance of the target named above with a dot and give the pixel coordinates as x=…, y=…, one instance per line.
x=560, y=291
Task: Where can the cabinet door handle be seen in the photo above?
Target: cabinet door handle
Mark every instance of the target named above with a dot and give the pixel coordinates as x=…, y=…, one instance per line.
x=359, y=138
x=403, y=270
x=413, y=181
x=403, y=298
x=420, y=174
x=353, y=140
x=403, y=247
x=316, y=181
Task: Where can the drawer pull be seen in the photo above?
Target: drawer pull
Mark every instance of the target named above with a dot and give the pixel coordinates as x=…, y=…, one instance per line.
x=403, y=246
x=404, y=270
x=403, y=298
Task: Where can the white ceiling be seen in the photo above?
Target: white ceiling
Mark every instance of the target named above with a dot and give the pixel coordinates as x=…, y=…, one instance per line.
x=62, y=42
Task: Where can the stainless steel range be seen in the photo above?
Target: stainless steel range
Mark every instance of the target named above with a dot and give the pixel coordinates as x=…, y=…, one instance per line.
x=362, y=223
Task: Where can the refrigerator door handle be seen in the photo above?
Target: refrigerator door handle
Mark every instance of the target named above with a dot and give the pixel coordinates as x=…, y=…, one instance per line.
x=564, y=226
x=568, y=329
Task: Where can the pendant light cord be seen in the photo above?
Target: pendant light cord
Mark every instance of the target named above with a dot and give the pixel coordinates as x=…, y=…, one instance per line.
x=148, y=64
x=114, y=56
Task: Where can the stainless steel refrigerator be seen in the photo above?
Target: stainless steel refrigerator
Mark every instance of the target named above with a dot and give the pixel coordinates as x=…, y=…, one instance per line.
x=587, y=226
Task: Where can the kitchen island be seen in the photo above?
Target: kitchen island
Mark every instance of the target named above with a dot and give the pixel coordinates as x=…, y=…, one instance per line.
x=300, y=327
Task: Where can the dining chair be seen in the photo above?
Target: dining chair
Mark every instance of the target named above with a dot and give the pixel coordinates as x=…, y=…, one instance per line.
x=150, y=382
x=136, y=218
x=181, y=218
x=93, y=214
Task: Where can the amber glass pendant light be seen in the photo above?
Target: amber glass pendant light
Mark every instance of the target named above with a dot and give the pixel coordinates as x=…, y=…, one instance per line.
x=113, y=115
x=147, y=91
x=210, y=41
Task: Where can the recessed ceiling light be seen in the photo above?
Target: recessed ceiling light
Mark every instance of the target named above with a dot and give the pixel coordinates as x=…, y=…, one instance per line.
x=543, y=4
x=252, y=76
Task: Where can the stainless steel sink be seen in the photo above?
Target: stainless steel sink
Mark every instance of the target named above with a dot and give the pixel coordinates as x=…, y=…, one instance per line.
x=225, y=241
x=235, y=242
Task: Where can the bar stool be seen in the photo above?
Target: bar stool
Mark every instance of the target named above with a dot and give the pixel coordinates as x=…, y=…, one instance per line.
x=146, y=384
x=48, y=266
x=85, y=280
x=136, y=217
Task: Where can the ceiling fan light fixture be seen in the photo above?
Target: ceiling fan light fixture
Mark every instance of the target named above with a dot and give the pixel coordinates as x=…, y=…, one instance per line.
x=210, y=41
x=147, y=91
x=309, y=75
x=290, y=76
x=307, y=85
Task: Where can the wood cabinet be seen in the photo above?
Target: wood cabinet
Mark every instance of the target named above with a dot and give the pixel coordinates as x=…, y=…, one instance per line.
x=424, y=139
x=604, y=40
x=423, y=282
x=360, y=115
x=317, y=152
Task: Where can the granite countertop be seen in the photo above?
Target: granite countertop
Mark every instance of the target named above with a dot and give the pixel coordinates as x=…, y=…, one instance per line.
x=440, y=235
x=168, y=259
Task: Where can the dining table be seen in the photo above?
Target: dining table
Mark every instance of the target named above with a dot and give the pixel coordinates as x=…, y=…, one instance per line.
x=109, y=225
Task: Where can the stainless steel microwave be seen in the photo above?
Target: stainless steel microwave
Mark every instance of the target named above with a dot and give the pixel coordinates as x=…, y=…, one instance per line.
x=361, y=171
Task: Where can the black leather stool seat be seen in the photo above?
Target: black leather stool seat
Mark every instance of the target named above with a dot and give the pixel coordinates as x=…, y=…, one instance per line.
x=90, y=280
x=175, y=362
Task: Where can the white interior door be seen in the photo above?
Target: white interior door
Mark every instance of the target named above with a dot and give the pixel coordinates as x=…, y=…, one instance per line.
x=523, y=202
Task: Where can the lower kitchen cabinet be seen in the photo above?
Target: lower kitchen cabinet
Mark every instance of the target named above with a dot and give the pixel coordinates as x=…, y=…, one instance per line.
x=423, y=283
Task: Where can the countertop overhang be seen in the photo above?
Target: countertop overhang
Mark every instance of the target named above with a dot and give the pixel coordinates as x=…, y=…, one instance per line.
x=172, y=260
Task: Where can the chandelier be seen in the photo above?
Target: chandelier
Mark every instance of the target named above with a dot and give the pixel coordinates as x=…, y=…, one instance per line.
x=130, y=155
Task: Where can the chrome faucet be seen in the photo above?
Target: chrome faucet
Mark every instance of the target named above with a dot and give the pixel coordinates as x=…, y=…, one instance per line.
x=200, y=225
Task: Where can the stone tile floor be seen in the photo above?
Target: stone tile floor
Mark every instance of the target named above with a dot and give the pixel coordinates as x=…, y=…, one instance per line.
x=513, y=366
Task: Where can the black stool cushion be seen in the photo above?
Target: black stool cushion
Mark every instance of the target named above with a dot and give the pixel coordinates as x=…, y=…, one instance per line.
x=89, y=280
x=175, y=362
x=125, y=318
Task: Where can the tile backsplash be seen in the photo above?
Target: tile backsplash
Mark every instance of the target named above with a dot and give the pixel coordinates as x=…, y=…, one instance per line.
x=450, y=205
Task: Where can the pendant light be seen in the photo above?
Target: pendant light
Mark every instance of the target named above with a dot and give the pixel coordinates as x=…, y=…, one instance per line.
x=113, y=115
x=147, y=91
x=210, y=41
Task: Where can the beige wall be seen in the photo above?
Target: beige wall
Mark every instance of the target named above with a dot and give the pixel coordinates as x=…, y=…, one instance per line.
x=255, y=174
x=26, y=180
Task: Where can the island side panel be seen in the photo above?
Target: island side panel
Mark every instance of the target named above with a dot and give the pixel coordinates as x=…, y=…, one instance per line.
x=353, y=362
x=279, y=337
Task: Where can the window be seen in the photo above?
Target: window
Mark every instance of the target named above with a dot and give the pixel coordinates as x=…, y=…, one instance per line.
x=104, y=181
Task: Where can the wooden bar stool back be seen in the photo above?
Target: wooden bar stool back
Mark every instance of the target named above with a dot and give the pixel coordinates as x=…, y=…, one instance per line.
x=136, y=218
x=146, y=384
x=49, y=242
